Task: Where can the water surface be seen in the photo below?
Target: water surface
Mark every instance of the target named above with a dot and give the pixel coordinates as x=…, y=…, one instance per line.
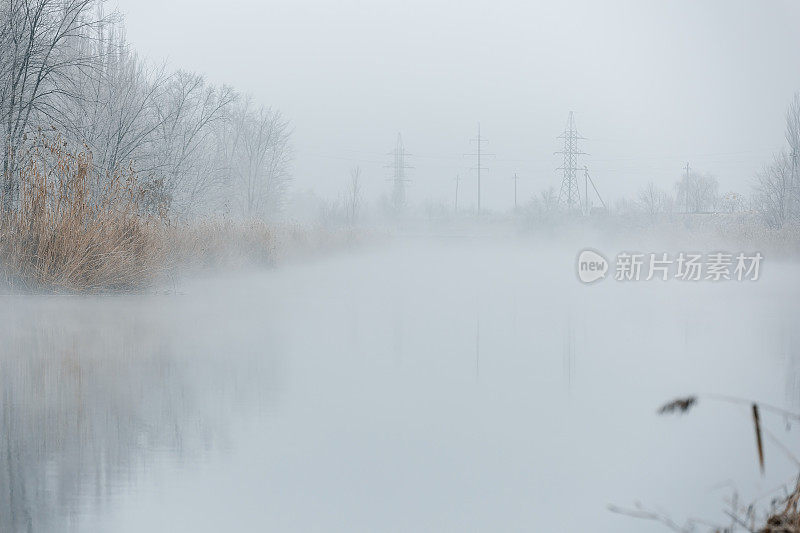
x=423, y=385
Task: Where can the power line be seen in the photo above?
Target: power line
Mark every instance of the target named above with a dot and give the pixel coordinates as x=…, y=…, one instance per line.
x=458, y=179
x=478, y=142
x=759, y=155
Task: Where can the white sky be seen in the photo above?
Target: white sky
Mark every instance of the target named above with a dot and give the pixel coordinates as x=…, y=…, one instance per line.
x=652, y=84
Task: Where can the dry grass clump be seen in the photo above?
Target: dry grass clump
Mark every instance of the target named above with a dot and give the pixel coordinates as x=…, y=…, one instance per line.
x=785, y=519
x=783, y=515
x=210, y=244
x=68, y=228
x=299, y=242
x=71, y=230
x=216, y=243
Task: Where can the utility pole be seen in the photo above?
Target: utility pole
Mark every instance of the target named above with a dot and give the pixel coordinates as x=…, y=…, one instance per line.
x=793, y=188
x=686, y=190
x=586, y=207
x=588, y=178
x=516, y=179
x=478, y=153
x=458, y=178
x=479, y=166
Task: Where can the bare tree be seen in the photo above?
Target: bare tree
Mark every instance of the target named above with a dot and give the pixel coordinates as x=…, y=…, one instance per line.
x=188, y=113
x=543, y=206
x=773, y=190
x=354, y=193
x=548, y=200
x=39, y=61
x=793, y=138
x=653, y=201
x=776, y=192
x=732, y=203
x=793, y=125
x=256, y=156
x=697, y=193
x=117, y=111
x=65, y=64
x=164, y=125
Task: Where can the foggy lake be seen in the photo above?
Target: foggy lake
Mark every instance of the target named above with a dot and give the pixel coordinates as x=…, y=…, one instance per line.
x=399, y=266
x=421, y=384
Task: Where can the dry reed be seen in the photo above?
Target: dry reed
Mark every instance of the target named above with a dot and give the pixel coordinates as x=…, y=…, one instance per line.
x=785, y=519
x=71, y=229
x=216, y=243
x=784, y=516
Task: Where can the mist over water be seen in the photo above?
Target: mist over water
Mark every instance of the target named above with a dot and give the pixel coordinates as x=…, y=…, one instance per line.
x=426, y=383
x=369, y=266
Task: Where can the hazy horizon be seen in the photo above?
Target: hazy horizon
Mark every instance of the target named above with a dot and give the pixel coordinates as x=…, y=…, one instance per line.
x=210, y=321
x=652, y=85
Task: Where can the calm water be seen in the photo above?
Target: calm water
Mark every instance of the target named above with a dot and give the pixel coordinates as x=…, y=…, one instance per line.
x=426, y=385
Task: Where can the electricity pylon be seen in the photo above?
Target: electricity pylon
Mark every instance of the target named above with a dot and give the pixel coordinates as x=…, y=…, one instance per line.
x=569, y=195
x=399, y=178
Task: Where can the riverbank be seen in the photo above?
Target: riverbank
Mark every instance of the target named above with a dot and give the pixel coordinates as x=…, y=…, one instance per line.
x=141, y=255
x=68, y=229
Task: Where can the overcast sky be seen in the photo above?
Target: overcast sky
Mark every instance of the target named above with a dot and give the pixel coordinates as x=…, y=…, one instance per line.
x=652, y=84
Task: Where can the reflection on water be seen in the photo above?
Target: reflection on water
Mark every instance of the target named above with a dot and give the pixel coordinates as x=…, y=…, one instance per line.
x=422, y=387
x=94, y=391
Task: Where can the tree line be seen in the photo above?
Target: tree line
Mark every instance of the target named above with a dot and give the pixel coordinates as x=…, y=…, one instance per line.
x=774, y=197
x=198, y=149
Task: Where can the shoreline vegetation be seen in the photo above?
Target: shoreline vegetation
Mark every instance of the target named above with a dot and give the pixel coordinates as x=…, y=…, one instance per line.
x=116, y=172
x=119, y=175
x=780, y=515
x=75, y=229
x=72, y=230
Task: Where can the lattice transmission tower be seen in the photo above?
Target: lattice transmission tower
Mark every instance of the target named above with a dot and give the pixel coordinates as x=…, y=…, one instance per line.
x=399, y=179
x=569, y=195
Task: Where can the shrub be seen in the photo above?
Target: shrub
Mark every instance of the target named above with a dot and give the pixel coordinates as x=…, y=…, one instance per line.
x=71, y=229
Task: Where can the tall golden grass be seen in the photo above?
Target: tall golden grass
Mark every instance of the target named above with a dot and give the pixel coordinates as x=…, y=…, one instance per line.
x=71, y=229
x=214, y=243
